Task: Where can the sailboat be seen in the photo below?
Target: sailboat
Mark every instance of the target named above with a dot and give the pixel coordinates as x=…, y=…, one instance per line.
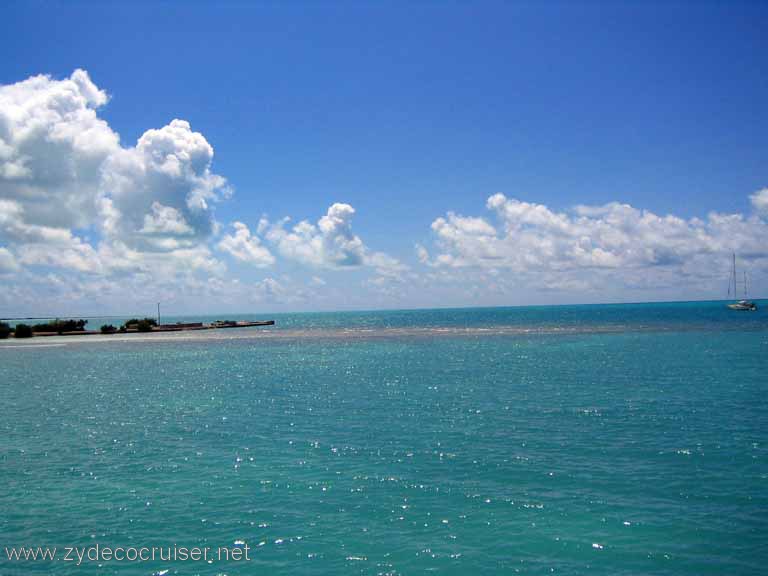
x=742, y=305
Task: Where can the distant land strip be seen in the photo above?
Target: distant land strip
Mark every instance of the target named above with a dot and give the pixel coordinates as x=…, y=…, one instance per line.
x=68, y=316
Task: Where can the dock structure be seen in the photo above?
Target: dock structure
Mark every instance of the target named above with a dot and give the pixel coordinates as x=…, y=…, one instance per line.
x=181, y=326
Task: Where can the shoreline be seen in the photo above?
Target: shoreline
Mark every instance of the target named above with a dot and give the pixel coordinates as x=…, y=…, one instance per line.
x=179, y=327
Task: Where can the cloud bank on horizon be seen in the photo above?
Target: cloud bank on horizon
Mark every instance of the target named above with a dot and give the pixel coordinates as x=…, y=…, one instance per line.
x=86, y=219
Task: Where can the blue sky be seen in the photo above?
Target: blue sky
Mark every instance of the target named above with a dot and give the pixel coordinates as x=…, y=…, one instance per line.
x=407, y=112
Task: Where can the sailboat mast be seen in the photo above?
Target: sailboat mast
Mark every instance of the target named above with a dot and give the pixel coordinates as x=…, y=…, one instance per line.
x=743, y=303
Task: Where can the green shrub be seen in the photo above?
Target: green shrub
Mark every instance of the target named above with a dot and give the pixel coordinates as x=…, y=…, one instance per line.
x=22, y=331
x=61, y=326
x=5, y=330
x=144, y=326
x=134, y=322
x=108, y=329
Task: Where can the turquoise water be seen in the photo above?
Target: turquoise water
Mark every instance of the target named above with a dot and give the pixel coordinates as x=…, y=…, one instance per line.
x=627, y=439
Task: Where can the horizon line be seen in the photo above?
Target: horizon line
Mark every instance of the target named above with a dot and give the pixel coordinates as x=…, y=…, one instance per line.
x=416, y=309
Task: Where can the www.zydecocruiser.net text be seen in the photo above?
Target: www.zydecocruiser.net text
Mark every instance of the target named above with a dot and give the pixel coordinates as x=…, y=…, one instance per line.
x=78, y=555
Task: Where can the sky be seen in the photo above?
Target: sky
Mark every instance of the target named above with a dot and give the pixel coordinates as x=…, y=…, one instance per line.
x=257, y=157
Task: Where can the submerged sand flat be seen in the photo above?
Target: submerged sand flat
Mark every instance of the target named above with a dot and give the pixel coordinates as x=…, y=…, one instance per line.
x=333, y=333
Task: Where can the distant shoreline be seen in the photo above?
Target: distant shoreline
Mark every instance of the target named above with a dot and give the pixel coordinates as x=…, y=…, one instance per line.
x=163, y=328
x=135, y=329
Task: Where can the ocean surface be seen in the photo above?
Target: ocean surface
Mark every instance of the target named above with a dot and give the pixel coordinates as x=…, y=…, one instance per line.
x=615, y=439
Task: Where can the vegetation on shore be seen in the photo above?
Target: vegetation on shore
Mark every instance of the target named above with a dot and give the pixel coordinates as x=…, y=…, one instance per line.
x=133, y=325
x=143, y=325
x=26, y=331
x=60, y=326
x=134, y=322
x=22, y=331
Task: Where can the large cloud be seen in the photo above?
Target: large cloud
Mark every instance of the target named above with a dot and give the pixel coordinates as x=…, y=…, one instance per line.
x=328, y=244
x=64, y=175
x=157, y=195
x=531, y=238
x=52, y=148
x=331, y=243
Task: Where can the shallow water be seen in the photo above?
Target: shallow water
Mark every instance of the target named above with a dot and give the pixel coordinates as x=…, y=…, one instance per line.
x=570, y=440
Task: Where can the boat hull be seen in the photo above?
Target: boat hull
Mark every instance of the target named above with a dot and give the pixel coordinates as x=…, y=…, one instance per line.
x=742, y=307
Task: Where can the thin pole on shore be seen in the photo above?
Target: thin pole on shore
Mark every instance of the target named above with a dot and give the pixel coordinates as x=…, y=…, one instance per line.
x=158, y=313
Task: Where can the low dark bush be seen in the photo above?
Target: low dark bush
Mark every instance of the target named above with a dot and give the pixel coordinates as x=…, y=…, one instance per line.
x=5, y=330
x=134, y=322
x=22, y=331
x=108, y=329
x=61, y=326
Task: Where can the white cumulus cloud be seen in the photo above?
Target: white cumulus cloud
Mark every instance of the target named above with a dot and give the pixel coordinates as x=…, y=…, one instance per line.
x=52, y=148
x=158, y=195
x=760, y=200
x=64, y=175
x=529, y=238
x=328, y=244
x=246, y=247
